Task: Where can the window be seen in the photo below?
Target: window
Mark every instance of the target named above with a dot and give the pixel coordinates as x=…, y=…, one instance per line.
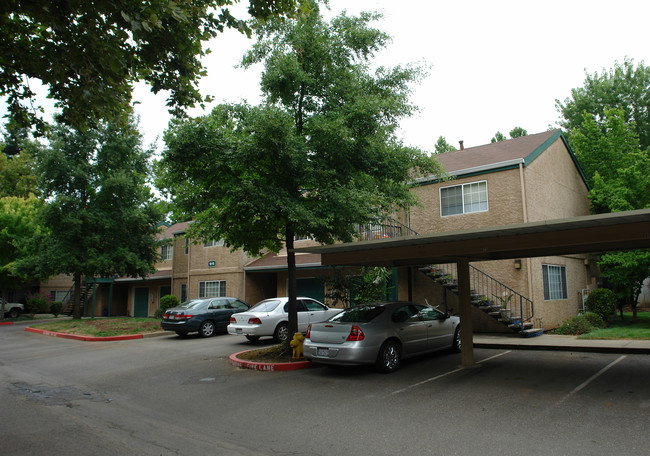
x=464, y=199
x=59, y=295
x=166, y=252
x=212, y=289
x=218, y=243
x=554, y=282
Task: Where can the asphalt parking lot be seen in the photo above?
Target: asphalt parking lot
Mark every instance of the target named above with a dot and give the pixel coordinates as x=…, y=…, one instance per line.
x=172, y=396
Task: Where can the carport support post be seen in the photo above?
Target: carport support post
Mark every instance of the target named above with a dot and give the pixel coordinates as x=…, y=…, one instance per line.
x=465, y=304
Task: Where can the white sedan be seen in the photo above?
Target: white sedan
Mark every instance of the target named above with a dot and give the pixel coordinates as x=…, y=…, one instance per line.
x=270, y=318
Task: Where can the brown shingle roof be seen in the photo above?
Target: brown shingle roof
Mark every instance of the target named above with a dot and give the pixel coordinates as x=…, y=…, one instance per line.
x=525, y=148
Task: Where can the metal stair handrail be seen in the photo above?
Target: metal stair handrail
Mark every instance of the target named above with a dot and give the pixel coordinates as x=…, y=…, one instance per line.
x=493, y=291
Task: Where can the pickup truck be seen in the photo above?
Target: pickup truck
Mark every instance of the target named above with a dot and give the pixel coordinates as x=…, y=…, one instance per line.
x=12, y=309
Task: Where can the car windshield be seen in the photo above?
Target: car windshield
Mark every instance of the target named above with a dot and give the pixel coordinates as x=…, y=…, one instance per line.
x=268, y=305
x=358, y=314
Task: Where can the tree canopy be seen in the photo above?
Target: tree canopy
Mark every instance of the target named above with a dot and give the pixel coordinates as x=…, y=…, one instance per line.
x=443, y=146
x=618, y=171
x=318, y=157
x=89, y=54
x=624, y=87
x=99, y=214
x=18, y=226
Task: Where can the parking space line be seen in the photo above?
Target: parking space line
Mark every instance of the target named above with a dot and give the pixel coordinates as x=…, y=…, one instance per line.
x=591, y=379
x=437, y=377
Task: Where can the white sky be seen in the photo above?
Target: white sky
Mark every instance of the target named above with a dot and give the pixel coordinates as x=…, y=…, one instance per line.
x=493, y=64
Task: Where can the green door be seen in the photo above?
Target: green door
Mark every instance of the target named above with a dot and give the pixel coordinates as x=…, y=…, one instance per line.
x=141, y=302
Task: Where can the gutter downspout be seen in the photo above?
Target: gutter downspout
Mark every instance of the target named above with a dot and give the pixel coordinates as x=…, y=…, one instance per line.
x=524, y=205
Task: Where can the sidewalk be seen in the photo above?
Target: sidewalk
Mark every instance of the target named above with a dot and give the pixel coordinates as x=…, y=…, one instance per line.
x=561, y=343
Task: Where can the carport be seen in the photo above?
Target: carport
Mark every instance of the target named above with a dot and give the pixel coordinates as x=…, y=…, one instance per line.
x=587, y=234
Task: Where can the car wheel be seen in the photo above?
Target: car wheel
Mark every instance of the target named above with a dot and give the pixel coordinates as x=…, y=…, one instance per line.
x=207, y=329
x=281, y=333
x=13, y=313
x=181, y=333
x=253, y=338
x=456, y=346
x=389, y=356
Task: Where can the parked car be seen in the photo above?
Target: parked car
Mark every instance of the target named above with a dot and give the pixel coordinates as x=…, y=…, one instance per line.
x=270, y=317
x=382, y=334
x=205, y=316
x=12, y=309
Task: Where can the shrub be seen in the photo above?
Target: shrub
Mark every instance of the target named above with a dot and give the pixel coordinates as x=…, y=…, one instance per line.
x=602, y=301
x=166, y=302
x=56, y=307
x=38, y=303
x=580, y=324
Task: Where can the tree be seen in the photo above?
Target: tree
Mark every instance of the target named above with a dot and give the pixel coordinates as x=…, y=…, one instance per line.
x=625, y=272
x=615, y=167
x=318, y=157
x=498, y=137
x=624, y=87
x=618, y=172
x=89, y=54
x=443, y=146
x=516, y=132
x=99, y=213
x=17, y=165
x=19, y=224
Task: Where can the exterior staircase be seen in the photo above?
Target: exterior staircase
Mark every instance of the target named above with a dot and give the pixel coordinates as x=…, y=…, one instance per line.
x=500, y=302
x=68, y=302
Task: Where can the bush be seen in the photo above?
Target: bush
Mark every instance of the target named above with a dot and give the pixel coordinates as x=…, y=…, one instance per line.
x=580, y=324
x=38, y=303
x=56, y=307
x=166, y=302
x=602, y=301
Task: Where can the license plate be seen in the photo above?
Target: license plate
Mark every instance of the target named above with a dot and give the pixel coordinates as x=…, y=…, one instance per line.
x=239, y=331
x=323, y=351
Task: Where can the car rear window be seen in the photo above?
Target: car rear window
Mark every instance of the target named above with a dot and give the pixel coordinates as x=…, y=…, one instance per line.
x=358, y=314
x=268, y=305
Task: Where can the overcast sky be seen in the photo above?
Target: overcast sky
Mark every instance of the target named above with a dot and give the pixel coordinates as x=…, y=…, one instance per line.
x=493, y=64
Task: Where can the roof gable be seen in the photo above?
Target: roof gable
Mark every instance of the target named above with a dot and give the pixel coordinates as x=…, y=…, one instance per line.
x=499, y=156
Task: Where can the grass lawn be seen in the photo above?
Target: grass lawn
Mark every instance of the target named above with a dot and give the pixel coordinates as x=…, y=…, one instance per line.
x=617, y=329
x=103, y=327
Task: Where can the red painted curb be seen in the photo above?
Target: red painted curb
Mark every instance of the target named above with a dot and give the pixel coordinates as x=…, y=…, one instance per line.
x=83, y=338
x=6, y=323
x=271, y=367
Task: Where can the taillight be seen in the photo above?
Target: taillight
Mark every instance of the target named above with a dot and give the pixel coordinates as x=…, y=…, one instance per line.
x=308, y=335
x=356, y=334
x=232, y=320
x=166, y=315
x=254, y=321
x=181, y=317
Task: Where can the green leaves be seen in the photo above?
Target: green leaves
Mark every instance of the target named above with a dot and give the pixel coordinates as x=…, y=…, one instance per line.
x=317, y=158
x=90, y=54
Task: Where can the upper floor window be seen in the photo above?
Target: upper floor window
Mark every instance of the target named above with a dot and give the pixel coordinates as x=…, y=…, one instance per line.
x=166, y=252
x=212, y=289
x=464, y=199
x=218, y=243
x=554, y=282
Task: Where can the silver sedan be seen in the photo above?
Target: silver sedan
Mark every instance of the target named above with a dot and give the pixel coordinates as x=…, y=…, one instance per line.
x=270, y=317
x=382, y=334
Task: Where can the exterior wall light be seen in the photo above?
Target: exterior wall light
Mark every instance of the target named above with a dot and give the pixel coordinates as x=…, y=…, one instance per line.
x=518, y=263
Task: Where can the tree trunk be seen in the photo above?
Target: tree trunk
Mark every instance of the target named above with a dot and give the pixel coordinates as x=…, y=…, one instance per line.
x=76, y=310
x=291, y=285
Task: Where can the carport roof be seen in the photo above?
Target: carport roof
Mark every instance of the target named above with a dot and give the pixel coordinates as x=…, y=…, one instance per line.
x=586, y=234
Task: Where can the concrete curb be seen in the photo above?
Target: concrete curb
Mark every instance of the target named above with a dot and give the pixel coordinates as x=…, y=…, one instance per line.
x=271, y=367
x=83, y=338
